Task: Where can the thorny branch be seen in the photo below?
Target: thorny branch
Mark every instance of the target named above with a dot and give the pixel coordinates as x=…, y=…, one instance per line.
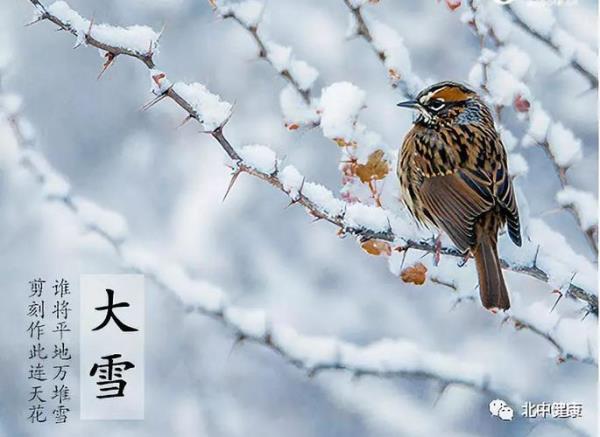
x=362, y=233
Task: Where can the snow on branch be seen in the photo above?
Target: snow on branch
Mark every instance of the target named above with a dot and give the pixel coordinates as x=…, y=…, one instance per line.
x=539, y=22
x=365, y=159
x=571, y=339
x=298, y=73
x=387, y=44
x=138, y=41
x=385, y=358
x=363, y=221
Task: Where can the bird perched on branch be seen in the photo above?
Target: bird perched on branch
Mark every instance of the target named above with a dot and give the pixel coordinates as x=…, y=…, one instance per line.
x=453, y=175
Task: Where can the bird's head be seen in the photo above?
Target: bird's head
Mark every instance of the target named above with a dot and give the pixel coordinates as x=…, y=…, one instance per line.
x=447, y=103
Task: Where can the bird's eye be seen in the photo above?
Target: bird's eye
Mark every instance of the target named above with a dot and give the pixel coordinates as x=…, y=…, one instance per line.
x=436, y=104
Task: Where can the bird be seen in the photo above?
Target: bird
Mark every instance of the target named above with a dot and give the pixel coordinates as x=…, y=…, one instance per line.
x=453, y=174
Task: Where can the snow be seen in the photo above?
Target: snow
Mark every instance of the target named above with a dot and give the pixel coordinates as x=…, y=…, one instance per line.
x=201, y=294
x=249, y=12
x=310, y=350
x=212, y=111
x=358, y=3
x=359, y=215
x=339, y=106
x=324, y=199
x=282, y=59
x=508, y=139
x=537, y=15
x=54, y=185
x=292, y=180
x=559, y=260
x=517, y=165
x=11, y=103
x=140, y=39
x=249, y=322
x=584, y=203
x=259, y=157
x=304, y=74
x=539, y=123
x=504, y=72
x=566, y=149
x=391, y=44
x=294, y=108
x=513, y=59
x=280, y=56
x=159, y=82
x=96, y=217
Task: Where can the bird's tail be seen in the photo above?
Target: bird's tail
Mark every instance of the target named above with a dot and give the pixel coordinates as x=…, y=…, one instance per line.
x=492, y=287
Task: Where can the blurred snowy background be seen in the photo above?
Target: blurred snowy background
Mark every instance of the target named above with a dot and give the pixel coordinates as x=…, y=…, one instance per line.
x=168, y=183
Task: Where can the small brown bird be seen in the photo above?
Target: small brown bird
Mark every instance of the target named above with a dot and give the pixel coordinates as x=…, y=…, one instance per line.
x=453, y=175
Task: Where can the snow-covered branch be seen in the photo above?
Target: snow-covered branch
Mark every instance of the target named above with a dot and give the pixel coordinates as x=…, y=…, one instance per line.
x=387, y=44
x=298, y=73
x=540, y=23
x=385, y=358
x=365, y=222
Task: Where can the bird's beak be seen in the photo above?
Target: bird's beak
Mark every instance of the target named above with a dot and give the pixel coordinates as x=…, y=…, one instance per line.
x=411, y=104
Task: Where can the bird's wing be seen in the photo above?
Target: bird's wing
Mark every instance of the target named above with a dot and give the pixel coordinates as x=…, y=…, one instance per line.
x=505, y=196
x=455, y=202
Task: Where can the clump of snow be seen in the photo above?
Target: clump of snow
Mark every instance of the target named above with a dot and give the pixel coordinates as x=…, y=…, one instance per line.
x=539, y=123
x=508, y=139
x=309, y=350
x=292, y=180
x=358, y=3
x=324, y=199
x=584, y=203
x=249, y=12
x=566, y=149
x=537, y=15
x=339, y=106
x=513, y=59
x=101, y=219
x=54, y=185
x=191, y=292
x=503, y=84
x=279, y=56
x=139, y=39
x=517, y=165
x=282, y=59
x=294, y=108
x=359, y=215
x=10, y=103
x=249, y=322
x=212, y=111
x=304, y=74
x=558, y=259
x=259, y=157
x=391, y=44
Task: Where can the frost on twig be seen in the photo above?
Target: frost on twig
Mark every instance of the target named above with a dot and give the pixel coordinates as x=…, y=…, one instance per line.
x=371, y=222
